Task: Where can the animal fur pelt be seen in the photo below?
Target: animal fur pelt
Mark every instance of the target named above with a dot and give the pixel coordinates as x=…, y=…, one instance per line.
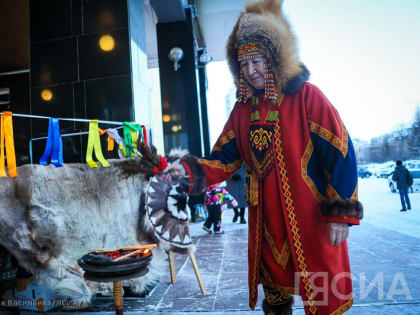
x=346, y=207
x=263, y=23
x=51, y=216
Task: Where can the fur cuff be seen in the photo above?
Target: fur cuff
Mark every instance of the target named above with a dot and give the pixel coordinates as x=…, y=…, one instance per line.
x=345, y=207
x=197, y=176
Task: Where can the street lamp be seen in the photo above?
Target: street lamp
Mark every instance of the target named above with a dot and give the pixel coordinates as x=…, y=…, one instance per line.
x=175, y=55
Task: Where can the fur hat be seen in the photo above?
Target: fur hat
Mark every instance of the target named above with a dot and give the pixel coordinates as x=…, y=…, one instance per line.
x=264, y=24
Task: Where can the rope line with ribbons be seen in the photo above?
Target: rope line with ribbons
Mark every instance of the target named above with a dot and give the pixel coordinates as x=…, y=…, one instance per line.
x=54, y=146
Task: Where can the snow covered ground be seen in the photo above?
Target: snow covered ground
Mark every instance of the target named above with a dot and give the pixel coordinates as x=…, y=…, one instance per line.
x=382, y=208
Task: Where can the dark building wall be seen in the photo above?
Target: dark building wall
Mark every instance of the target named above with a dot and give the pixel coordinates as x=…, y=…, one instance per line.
x=14, y=70
x=180, y=91
x=86, y=81
x=14, y=39
x=202, y=77
x=19, y=103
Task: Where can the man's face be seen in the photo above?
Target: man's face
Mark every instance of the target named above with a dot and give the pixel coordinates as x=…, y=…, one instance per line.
x=253, y=70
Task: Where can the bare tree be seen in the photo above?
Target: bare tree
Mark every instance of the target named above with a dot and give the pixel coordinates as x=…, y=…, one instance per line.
x=386, y=149
x=414, y=136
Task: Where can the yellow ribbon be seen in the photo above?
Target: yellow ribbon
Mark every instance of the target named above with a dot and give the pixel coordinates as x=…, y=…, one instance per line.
x=134, y=138
x=94, y=143
x=7, y=136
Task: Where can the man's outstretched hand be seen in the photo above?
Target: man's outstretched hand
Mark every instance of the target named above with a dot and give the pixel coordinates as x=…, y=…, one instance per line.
x=337, y=232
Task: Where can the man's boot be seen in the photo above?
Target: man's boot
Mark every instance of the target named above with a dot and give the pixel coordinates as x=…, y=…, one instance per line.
x=241, y=215
x=235, y=217
x=280, y=309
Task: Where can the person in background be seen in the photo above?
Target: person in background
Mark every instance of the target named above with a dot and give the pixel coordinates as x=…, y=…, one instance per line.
x=196, y=205
x=216, y=196
x=404, y=180
x=236, y=187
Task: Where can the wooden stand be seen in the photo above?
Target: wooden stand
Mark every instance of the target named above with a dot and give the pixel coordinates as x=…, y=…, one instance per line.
x=118, y=298
x=117, y=283
x=195, y=266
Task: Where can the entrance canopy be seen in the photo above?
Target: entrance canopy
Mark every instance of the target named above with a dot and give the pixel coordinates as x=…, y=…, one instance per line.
x=217, y=18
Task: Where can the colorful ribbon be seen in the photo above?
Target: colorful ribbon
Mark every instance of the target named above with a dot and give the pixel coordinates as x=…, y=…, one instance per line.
x=54, y=146
x=145, y=135
x=7, y=137
x=109, y=139
x=111, y=143
x=130, y=138
x=115, y=137
x=161, y=166
x=94, y=143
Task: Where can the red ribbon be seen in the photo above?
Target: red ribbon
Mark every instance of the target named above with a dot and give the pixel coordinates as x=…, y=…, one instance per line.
x=145, y=135
x=161, y=166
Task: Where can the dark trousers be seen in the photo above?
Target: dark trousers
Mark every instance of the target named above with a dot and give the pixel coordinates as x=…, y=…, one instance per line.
x=404, y=198
x=239, y=213
x=192, y=209
x=215, y=217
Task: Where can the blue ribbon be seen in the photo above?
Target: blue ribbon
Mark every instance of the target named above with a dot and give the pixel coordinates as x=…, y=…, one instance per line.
x=54, y=146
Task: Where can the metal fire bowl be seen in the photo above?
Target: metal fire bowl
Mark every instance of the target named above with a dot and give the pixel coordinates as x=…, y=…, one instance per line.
x=120, y=268
x=110, y=277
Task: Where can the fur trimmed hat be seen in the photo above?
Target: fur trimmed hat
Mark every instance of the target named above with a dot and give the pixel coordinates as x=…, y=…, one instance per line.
x=264, y=24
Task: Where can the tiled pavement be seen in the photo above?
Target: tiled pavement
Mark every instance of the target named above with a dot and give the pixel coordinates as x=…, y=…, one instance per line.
x=385, y=267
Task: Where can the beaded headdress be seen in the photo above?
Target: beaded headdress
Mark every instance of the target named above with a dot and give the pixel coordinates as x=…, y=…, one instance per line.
x=249, y=51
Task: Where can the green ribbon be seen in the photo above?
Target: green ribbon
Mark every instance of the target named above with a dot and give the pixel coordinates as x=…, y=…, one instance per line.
x=130, y=138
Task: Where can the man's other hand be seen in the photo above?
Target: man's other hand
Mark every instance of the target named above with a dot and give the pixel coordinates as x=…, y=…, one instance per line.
x=172, y=170
x=337, y=232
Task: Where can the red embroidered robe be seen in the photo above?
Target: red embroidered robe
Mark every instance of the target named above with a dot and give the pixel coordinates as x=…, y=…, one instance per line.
x=299, y=155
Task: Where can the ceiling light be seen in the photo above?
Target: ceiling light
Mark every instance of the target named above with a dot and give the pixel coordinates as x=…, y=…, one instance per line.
x=106, y=42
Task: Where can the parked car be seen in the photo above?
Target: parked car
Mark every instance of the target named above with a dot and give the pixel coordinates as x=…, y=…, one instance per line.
x=416, y=182
x=385, y=171
x=363, y=172
x=412, y=164
x=382, y=170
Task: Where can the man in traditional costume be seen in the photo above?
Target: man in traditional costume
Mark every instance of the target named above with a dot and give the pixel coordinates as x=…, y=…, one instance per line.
x=301, y=169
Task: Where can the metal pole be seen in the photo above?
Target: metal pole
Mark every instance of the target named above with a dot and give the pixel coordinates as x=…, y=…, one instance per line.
x=70, y=119
x=64, y=135
x=14, y=72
